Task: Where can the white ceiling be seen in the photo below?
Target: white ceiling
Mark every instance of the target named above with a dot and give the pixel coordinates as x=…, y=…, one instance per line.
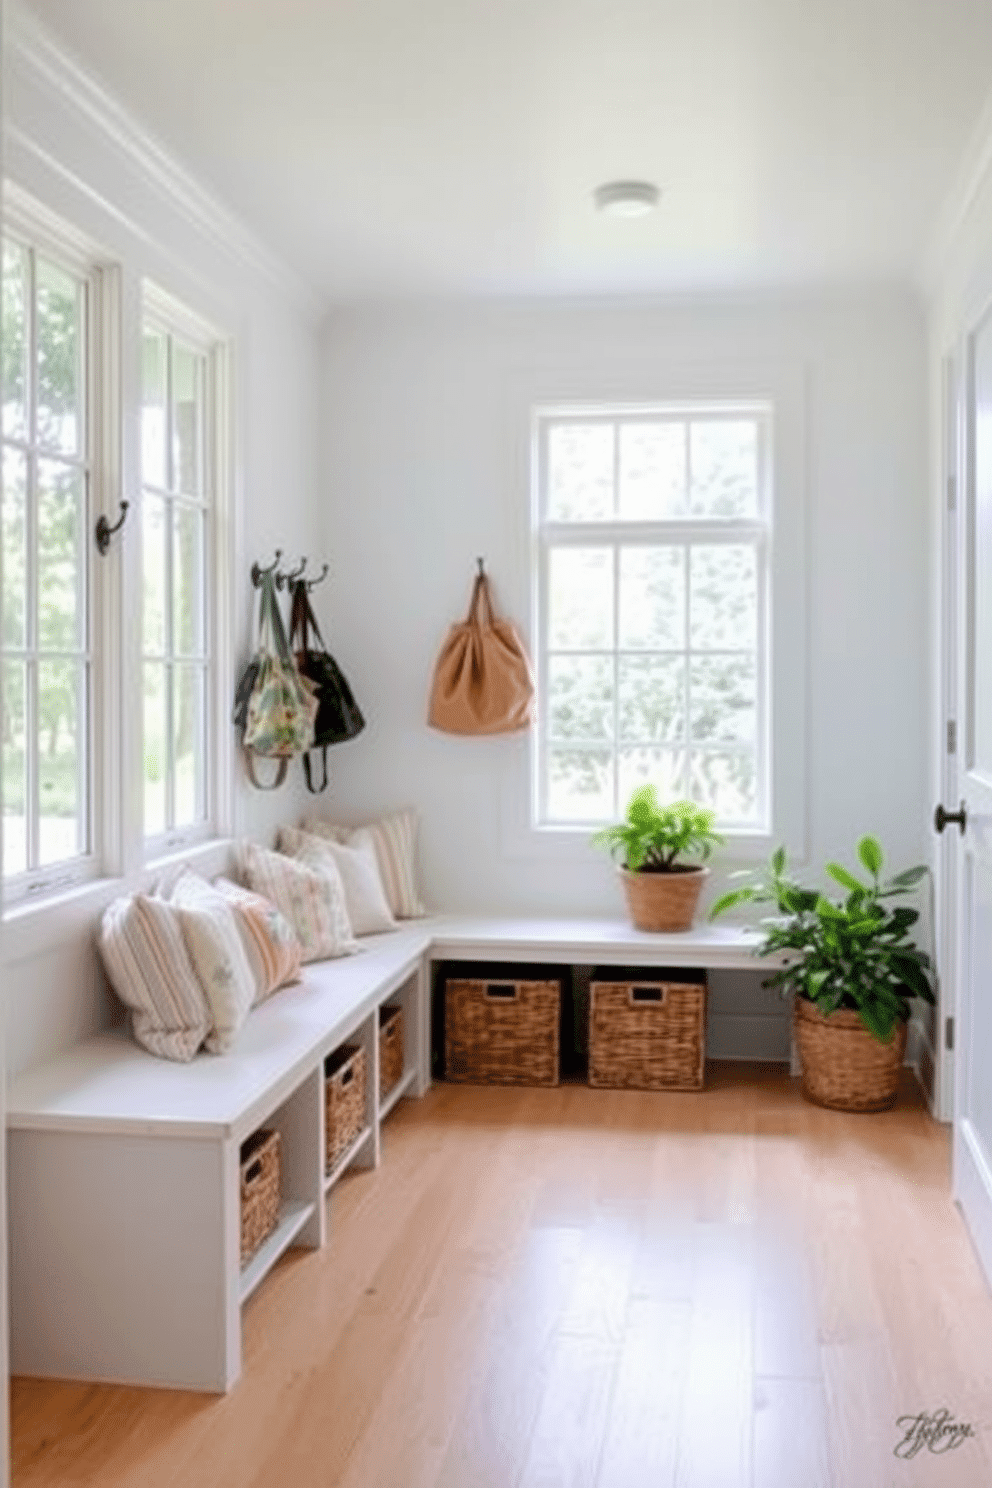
x=422, y=147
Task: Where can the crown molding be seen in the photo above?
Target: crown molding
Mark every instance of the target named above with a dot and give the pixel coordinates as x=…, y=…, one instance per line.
x=974, y=171
x=29, y=45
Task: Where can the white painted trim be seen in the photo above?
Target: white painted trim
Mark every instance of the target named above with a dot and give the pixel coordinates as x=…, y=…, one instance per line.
x=972, y=1190
x=973, y=171
x=30, y=45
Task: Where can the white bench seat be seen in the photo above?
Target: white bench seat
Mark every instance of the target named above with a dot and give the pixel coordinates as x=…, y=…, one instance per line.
x=124, y=1169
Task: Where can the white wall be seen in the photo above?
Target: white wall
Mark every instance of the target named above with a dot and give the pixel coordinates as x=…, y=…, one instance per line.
x=65, y=145
x=426, y=461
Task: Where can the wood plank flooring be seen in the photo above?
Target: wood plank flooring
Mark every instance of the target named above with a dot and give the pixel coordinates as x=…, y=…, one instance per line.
x=578, y=1288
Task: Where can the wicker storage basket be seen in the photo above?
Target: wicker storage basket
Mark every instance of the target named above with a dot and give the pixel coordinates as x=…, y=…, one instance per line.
x=647, y=1035
x=344, y=1100
x=390, y=1049
x=259, y=1190
x=844, y=1066
x=502, y=1032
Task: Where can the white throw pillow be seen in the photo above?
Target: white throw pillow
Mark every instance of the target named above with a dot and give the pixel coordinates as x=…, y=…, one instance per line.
x=143, y=949
x=312, y=901
x=218, y=955
x=395, y=841
x=358, y=867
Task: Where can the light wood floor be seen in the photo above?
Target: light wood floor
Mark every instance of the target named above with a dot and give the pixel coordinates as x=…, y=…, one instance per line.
x=578, y=1287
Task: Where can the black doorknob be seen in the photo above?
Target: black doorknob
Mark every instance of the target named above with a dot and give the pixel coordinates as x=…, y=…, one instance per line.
x=942, y=818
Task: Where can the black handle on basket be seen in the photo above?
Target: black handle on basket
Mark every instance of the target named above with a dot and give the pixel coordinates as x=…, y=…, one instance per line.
x=647, y=994
x=348, y=1076
x=506, y=991
x=252, y=1172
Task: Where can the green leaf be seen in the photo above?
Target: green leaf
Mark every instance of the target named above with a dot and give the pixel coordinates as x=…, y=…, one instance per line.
x=870, y=854
x=845, y=879
x=778, y=862
x=732, y=899
x=909, y=878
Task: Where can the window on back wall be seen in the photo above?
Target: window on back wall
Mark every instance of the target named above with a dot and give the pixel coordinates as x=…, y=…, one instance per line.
x=653, y=531
x=180, y=457
x=49, y=416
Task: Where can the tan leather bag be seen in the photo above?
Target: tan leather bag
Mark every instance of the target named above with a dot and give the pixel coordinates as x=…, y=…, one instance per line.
x=482, y=681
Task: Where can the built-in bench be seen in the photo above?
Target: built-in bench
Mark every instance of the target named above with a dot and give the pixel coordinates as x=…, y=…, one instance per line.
x=124, y=1169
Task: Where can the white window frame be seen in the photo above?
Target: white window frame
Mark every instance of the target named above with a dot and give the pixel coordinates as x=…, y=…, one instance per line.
x=25, y=221
x=163, y=312
x=757, y=531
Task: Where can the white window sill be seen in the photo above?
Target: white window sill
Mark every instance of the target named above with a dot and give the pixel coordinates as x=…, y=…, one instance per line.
x=42, y=925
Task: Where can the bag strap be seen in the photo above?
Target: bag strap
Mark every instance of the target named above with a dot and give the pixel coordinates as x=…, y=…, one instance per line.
x=250, y=757
x=304, y=620
x=481, y=610
x=315, y=790
x=272, y=621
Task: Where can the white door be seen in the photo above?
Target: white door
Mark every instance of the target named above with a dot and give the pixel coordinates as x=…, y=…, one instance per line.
x=973, y=1016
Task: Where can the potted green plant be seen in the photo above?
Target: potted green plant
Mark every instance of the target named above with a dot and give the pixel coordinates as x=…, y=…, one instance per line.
x=648, y=846
x=854, y=969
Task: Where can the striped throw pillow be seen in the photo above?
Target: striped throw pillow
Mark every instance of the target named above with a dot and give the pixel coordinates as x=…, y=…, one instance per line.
x=270, y=941
x=312, y=901
x=395, y=840
x=218, y=956
x=142, y=946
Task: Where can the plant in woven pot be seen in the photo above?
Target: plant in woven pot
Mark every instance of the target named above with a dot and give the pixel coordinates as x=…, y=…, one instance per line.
x=854, y=969
x=649, y=846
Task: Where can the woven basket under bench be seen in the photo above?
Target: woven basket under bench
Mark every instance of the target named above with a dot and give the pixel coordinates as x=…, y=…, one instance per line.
x=260, y=1177
x=502, y=1031
x=648, y=1033
x=344, y=1100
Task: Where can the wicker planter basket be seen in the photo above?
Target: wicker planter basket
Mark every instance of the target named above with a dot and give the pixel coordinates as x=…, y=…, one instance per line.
x=647, y=1035
x=663, y=901
x=502, y=1032
x=259, y=1190
x=344, y=1100
x=843, y=1065
x=390, y=1049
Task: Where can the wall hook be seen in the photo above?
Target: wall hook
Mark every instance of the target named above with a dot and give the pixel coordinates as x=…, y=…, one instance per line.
x=103, y=531
x=257, y=574
x=312, y=583
x=482, y=567
x=292, y=576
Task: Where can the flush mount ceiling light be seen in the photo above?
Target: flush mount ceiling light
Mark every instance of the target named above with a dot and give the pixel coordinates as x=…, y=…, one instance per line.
x=626, y=198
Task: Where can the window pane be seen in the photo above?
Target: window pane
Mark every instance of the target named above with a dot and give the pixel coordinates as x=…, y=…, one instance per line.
x=652, y=471
x=580, y=472
x=723, y=587
x=156, y=756
x=15, y=835
x=664, y=767
x=14, y=547
x=652, y=699
x=187, y=579
x=153, y=405
x=580, y=784
x=581, y=599
x=723, y=455
x=726, y=781
x=59, y=311
x=153, y=523
x=580, y=698
x=61, y=507
x=652, y=598
x=187, y=714
x=13, y=336
x=60, y=830
x=187, y=437
x=724, y=699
